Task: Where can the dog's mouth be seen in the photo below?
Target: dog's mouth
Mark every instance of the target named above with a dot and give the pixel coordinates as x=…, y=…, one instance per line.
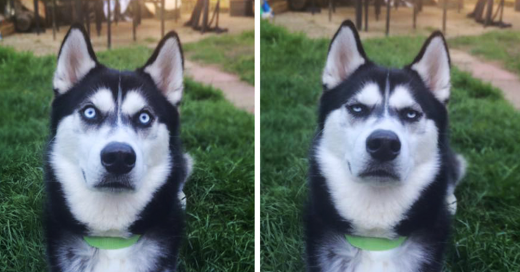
x=115, y=184
x=380, y=174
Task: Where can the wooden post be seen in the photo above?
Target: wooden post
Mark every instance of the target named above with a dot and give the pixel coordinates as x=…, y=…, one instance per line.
x=444, y=11
x=79, y=14
x=217, y=10
x=53, y=20
x=387, y=18
x=378, y=8
x=109, y=21
x=205, y=14
x=98, y=14
x=134, y=21
x=139, y=11
x=162, y=18
x=37, y=17
x=489, y=13
x=176, y=12
x=330, y=10
x=87, y=17
x=415, y=14
x=366, y=15
x=359, y=14
x=501, y=11
x=116, y=12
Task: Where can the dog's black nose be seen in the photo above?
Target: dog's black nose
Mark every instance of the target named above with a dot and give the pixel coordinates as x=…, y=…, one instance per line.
x=118, y=158
x=383, y=145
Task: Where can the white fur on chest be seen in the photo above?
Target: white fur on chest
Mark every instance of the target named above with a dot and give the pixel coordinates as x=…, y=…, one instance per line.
x=337, y=255
x=79, y=257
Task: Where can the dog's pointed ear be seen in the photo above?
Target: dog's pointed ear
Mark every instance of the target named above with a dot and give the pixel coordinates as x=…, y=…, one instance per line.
x=433, y=66
x=346, y=55
x=166, y=67
x=75, y=59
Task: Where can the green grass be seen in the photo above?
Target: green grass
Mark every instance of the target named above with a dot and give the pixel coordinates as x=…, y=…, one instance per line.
x=498, y=45
x=234, y=53
x=485, y=129
x=220, y=211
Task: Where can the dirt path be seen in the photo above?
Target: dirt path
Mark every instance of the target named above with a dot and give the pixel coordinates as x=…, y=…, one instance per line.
x=489, y=72
x=241, y=94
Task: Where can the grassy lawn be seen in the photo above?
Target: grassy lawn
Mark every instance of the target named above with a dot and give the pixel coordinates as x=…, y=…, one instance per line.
x=220, y=211
x=234, y=53
x=498, y=45
x=485, y=128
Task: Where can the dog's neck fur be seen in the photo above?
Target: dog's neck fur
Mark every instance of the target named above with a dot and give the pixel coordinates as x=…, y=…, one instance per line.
x=368, y=210
x=375, y=212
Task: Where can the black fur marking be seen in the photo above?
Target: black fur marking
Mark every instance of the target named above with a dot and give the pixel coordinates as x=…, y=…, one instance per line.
x=426, y=44
x=171, y=34
x=423, y=50
x=162, y=219
x=361, y=51
x=77, y=26
x=153, y=58
x=350, y=24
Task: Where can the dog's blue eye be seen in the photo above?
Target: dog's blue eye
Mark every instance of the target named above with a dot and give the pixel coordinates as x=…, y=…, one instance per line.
x=410, y=115
x=144, y=118
x=358, y=109
x=90, y=113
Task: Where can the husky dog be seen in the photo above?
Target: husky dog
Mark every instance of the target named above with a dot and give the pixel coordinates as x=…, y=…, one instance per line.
x=382, y=174
x=115, y=164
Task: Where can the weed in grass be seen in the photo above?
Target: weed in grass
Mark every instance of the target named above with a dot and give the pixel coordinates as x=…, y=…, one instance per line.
x=151, y=40
x=484, y=127
x=220, y=208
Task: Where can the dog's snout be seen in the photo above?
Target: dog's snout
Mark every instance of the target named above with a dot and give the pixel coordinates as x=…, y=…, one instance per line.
x=383, y=145
x=118, y=158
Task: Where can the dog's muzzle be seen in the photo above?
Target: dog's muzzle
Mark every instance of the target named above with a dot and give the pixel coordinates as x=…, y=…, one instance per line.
x=384, y=147
x=118, y=159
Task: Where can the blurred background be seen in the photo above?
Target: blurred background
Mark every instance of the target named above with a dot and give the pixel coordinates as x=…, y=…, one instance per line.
x=483, y=37
x=217, y=115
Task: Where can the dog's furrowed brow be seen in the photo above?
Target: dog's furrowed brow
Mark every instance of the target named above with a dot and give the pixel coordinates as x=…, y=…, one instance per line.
x=401, y=98
x=133, y=103
x=103, y=100
x=369, y=95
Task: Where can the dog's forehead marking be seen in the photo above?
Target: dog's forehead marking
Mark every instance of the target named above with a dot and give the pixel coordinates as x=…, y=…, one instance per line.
x=369, y=95
x=103, y=100
x=401, y=98
x=119, y=99
x=133, y=103
x=387, y=93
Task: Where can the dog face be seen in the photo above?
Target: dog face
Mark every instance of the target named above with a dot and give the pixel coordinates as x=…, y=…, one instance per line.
x=112, y=130
x=115, y=140
x=382, y=125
